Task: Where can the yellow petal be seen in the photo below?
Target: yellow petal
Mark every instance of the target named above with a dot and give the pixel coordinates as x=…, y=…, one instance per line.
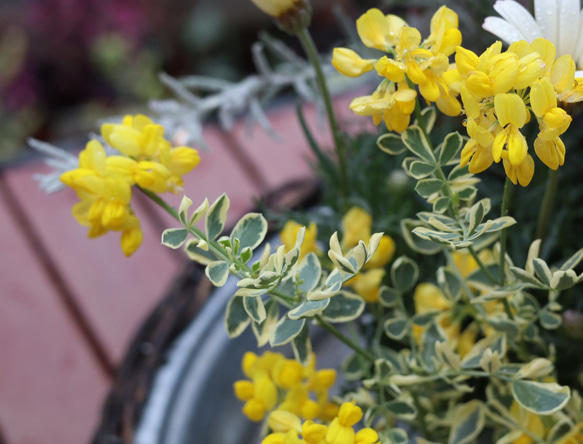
x=349, y=63
x=542, y=96
x=374, y=29
x=390, y=69
x=510, y=108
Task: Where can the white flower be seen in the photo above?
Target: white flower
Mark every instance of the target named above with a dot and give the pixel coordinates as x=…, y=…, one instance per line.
x=560, y=21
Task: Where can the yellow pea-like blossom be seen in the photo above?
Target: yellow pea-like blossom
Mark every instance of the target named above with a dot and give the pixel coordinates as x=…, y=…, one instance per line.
x=500, y=91
x=103, y=183
x=408, y=58
x=341, y=431
x=289, y=233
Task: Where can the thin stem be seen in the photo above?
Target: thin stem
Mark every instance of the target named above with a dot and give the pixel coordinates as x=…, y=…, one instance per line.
x=482, y=266
x=314, y=58
x=547, y=205
x=353, y=345
x=503, y=238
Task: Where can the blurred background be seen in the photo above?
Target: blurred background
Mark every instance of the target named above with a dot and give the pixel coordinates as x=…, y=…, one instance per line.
x=66, y=63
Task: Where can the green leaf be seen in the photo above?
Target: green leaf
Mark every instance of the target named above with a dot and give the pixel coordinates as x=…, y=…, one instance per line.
x=286, y=330
x=458, y=172
x=414, y=140
x=236, y=317
x=308, y=309
x=548, y=320
x=427, y=187
x=563, y=280
x=398, y=436
x=450, y=147
x=391, y=144
x=404, y=274
x=309, y=273
x=469, y=422
x=246, y=254
x=396, y=328
x=174, y=237
x=352, y=368
x=255, y=309
x=198, y=214
x=526, y=277
x=344, y=307
x=216, y=217
x=302, y=346
x=250, y=230
x=217, y=272
x=388, y=297
x=542, y=398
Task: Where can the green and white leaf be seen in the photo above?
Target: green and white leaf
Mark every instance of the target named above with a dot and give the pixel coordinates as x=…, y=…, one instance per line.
x=549, y=320
x=344, y=307
x=428, y=187
x=250, y=230
x=414, y=140
x=496, y=343
x=404, y=274
x=255, y=309
x=542, y=398
x=308, y=309
x=391, y=144
x=302, y=346
x=236, y=317
x=286, y=330
x=174, y=237
x=199, y=213
x=417, y=244
x=217, y=272
x=185, y=204
x=264, y=330
x=418, y=169
x=197, y=254
x=450, y=147
x=396, y=328
x=308, y=273
x=468, y=423
x=388, y=297
x=216, y=217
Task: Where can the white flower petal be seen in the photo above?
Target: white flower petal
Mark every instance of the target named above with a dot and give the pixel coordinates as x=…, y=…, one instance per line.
x=578, y=53
x=569, y=19
x=502, y=29
x=518, y=15
x=547, y=17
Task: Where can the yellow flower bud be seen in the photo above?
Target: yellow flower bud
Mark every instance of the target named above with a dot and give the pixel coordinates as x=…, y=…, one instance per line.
x=281, y=421
x=356, y=225
x=182, y=160
x=349, y=63
x=244, y=390
x=349, y=414
x=550, y=152
x=313, y=433
x=132, y=236
x=366, y=436
x=429, y=297
x=288, y=373
x=153, y=176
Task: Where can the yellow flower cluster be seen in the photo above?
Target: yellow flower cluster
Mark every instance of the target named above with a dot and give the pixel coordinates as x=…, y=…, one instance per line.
x=103, y=183
x=285, y=383
x=357, y=226
x=287, y=429
x=499, y=90
x=408, y=60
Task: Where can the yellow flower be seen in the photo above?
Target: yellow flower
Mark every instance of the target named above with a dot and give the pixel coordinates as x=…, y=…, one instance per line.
x=529, y=421
x=274, y=8
x=349, y=63
x=264, y=397
x=340, y=430
x=408, y=59
x=429, y=297
x=289, y=233
x=356, y=226
x=367, y=283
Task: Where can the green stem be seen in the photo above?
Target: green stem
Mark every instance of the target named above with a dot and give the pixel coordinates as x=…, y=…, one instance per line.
x=483, y=267
x=547, y=205
x=353, y=345
x=503, y=238
x=314, y=58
